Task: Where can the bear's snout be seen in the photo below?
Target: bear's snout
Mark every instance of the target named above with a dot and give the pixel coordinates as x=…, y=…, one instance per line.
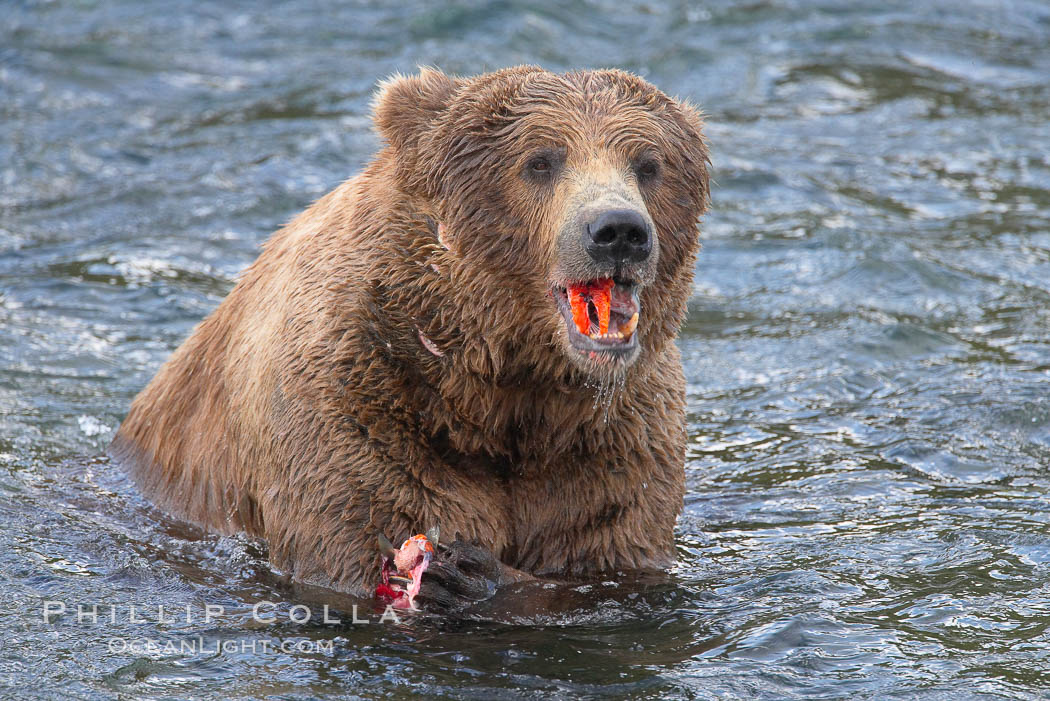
x=607, y=234
x=618, y=237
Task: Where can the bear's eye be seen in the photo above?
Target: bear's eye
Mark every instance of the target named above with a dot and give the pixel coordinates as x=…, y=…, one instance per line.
x=543, y=166
x=648, y=169
x=540, y=165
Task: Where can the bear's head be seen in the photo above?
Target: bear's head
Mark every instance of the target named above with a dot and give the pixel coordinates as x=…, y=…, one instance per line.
x=568, y=204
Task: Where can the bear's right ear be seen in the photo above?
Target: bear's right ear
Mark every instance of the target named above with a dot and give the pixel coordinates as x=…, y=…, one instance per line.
x=405, y=106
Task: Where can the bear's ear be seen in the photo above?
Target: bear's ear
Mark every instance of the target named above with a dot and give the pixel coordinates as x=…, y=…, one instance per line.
x=696, y=153
x=405, y=106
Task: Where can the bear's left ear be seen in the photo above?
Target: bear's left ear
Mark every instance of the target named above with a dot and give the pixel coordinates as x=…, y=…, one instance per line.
x=695, y=152
x=405, y=106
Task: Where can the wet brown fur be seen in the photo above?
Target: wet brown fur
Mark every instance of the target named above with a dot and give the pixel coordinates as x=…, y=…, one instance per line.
x=306, y=410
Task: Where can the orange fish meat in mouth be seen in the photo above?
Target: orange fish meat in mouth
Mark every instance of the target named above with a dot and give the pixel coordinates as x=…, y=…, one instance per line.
x=596, y=294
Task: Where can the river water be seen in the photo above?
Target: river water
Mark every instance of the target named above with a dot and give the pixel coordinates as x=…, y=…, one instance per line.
x=867, y=354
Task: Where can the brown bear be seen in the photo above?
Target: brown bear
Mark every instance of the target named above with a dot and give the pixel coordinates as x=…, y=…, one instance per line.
x=476, y=333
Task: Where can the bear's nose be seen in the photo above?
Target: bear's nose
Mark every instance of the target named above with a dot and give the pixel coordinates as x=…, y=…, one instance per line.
x=618, y=236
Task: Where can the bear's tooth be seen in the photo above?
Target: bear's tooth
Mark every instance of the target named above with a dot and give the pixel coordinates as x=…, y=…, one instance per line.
x=628, y=328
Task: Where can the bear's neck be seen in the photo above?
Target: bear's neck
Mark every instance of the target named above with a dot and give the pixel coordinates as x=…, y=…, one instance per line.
x=516, y=416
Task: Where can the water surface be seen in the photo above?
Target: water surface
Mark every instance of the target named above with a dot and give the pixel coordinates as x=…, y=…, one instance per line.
x=868, y=349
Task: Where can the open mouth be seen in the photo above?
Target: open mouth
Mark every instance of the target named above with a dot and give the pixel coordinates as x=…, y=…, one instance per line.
x=601, y=316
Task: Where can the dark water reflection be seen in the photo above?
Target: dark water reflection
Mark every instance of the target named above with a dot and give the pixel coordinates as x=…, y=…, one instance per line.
x=868, y=350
